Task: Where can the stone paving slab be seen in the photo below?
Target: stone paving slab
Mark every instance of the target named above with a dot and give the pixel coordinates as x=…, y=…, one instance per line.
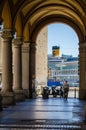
x=54, y=111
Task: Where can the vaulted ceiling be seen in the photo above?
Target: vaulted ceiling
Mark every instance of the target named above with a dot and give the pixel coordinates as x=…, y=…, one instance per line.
x=27, y=17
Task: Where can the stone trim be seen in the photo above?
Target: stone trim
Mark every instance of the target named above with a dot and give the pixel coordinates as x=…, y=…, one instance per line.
x=25, y=47
x=18, y=41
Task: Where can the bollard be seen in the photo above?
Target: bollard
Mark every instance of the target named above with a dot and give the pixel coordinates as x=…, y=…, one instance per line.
x=75, y=93
x=45, y=92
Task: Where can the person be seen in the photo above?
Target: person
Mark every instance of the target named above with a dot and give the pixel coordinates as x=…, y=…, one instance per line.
x=66, y=89
x=61, y=91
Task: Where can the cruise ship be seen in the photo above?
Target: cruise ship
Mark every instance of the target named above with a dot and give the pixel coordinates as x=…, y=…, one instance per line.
x=63, y=68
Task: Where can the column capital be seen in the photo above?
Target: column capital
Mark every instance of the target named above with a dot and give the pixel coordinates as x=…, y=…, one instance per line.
x=25, y=47
x=7, y=34
x=18, y=41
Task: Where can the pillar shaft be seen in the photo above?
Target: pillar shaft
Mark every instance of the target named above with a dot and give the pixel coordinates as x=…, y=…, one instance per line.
x=25, y=68
x=18, y=69
x=7, y=92
x=32, y=69
x=82, y=70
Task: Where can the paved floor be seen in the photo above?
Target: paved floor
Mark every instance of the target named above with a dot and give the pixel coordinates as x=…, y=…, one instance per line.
x=53, y=110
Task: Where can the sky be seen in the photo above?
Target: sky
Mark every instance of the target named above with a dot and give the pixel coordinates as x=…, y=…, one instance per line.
x=64, y=36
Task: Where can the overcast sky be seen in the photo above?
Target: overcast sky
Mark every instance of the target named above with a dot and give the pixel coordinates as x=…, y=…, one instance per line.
x=64, y=36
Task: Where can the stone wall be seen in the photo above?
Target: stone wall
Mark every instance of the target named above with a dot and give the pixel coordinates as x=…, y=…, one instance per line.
x=41, y=57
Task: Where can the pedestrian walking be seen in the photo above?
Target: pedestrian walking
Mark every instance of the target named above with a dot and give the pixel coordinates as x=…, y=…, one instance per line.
x=66, y=89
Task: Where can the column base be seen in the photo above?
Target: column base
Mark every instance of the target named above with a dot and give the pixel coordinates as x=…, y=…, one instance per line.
x=82, y=94
x=8, y=98
x=19, y=95
x=34, y=95
x=26, y=92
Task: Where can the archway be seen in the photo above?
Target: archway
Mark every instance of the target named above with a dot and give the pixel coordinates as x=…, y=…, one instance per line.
x=29, y=17
x=50, y=68
x=63, y=65
x=39, y=14
x=74, y=25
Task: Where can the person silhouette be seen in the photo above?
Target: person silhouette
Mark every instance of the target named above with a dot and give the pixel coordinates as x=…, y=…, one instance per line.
x=66, y=89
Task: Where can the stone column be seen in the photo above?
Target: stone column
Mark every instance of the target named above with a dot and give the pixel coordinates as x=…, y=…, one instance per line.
x=7, y=92
x=32, y=69
x=25, y=68
x=19, y=94
x=82, y=70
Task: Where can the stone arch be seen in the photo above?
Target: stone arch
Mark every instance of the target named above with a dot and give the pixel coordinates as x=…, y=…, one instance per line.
x=56, y=18
x=26, y=32
x=18, y=25
x=80, y=31
x=6, y=16
x=35, y=11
